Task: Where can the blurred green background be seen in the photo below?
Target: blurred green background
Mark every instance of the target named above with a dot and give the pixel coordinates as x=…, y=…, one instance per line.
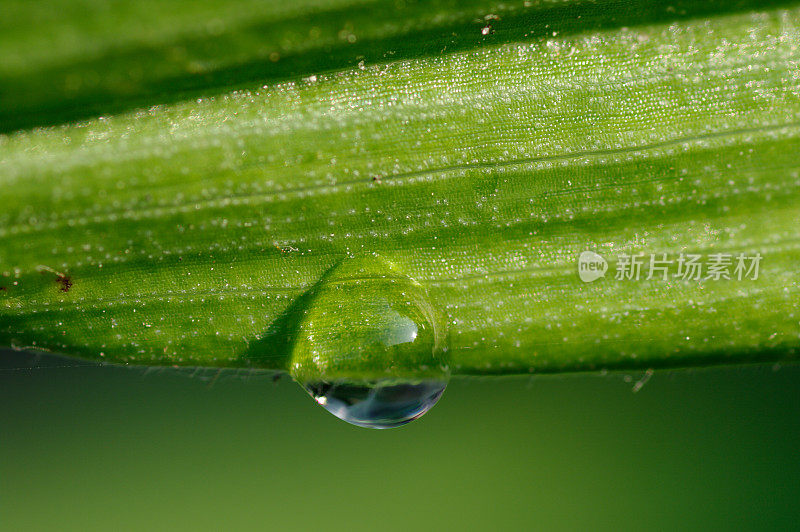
x=115, y=448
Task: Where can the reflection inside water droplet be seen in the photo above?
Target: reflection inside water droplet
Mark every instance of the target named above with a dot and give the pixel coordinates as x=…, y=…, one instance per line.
x=369, y=347
x=380, y=405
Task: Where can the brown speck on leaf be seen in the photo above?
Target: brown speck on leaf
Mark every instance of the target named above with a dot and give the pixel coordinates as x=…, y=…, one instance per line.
x=65, y=281
x=3, y=289
x=376, y=179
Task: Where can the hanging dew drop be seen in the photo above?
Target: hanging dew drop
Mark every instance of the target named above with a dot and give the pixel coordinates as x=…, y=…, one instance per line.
x=378, y=405
x=369, y=347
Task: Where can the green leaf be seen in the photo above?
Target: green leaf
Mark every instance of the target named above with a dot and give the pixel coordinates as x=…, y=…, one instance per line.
x=478, y=149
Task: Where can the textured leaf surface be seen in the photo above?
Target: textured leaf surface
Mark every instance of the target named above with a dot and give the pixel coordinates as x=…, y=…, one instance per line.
x=185, y=232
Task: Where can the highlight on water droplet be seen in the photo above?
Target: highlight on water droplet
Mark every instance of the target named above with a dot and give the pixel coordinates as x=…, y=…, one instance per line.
x=370, y=346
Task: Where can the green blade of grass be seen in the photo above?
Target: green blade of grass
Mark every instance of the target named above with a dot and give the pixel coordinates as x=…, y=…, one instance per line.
x=72, y=59
x=184, y=232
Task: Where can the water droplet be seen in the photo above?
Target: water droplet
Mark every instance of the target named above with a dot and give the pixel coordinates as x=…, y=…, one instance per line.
x=370, y=345
x=379, y=405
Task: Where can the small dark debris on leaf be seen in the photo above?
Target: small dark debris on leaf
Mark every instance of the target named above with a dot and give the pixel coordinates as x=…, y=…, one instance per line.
x=376, y=179
x=65, y=281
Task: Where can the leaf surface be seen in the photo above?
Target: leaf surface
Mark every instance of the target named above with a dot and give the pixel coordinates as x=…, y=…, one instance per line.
x=479, y=149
